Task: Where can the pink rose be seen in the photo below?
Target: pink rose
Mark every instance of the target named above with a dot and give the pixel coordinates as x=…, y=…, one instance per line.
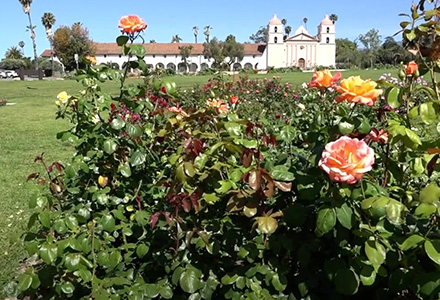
x=347, y=159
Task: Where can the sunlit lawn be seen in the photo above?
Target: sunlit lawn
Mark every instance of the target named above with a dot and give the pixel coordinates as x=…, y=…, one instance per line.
x=29, y=128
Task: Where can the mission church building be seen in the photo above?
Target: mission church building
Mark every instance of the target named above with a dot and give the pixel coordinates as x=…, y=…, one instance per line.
x=301, y=50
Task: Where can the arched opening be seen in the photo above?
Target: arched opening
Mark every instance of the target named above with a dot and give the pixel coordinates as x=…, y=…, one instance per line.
x=302, y=63
x=171, y=66
x=236, y=67
x=247, y=66
x=181, y=67
x=193, y=67
x=150, y=66
x=160, y=66
x=275, y=40
x=204, y=66
x=114, y=65
x=256, y=66
x=328, y=29
x=276, y=29
x=327, y=40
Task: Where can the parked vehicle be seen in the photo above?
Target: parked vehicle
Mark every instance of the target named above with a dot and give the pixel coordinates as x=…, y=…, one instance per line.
x=3, y=74
x=11, y=73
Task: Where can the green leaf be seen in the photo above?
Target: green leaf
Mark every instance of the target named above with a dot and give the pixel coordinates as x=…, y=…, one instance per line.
x=411, y=242
x=234, y=129
x=281, y=173
x=287, y=133
x=137, y=50
x=345, y=128
x=189, y=282
x=346, y=281
x=125, y=170
x=189, y=169
x=24, y=282
x=142, y=217
x=345, y=215
x=176, y=275
x=394, y=212
x=210, y=198
x=110, y=146
x=393, y=98
x=152, y=290
x=48, y=252
x=84, y=274
x=427, y=112
x=60, y=226
x=133, y=130
x=121, y=40
x=325, y=221
x=44, y=218
x=166, y=292
x=67, y=288
x=433, y=250
x=279, y=282
x=72, y=261
x=425, y=210
x=72, y=222
x=225, y=186
x=375, y=252
x=411, y=139
x=367, y=275
x=117, y=124
x=108, y=222
x=141, y=250
x=430, y=194
x=138, y=158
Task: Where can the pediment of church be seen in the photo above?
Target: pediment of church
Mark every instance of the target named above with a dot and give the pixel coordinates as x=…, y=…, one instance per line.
x=301, y=37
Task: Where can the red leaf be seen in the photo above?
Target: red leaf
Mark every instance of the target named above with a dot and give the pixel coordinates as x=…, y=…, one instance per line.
x=265, y=140
x=154, y=218
x=283, y=186
x=246, y=157
x=33, y=176
x=249, y=128
x=186, y=205
x=431, y=165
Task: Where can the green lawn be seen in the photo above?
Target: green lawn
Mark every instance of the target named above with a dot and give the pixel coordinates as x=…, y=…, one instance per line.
x=29, y=128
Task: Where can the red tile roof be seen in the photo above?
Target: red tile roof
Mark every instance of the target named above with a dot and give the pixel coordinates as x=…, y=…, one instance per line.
x=165, y=48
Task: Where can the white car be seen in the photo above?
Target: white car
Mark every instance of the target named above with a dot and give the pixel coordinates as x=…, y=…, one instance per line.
x=3, y=74
x=11, y=73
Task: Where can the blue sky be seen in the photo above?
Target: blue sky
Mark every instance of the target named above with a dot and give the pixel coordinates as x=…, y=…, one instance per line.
x=167, y=18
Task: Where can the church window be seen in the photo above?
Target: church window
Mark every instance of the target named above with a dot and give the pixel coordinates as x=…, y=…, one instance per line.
x=154, y=55
x=276, y=29
x=275, y=40
x=328, y=29
x=327, y=40
x=165, y=56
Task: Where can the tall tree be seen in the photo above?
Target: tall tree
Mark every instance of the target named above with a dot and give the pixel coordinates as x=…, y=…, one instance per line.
x=260, y=36
x=26, y=4
x=185, y=51
x=176, y=39
x=68, y=41
x=13, y=53
x=196, y=33
x=214, y=50
x=288, y=30
x=21, y=44
x=48, y=20
x=347, y=53
x=371, y=43
x=333, y=18
x=152, y=41
x=207, y=32
x=232, y=50
x=305, y=20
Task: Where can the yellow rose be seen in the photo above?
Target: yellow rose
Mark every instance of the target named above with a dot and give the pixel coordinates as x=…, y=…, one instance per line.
x=102, y=180
x=356, y=90
x=63, y=97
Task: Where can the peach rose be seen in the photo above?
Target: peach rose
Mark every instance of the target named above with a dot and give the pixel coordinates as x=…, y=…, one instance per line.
x=323, y=79
x=234, y=99
x=91, y=59
x=218, y=104
x=132, y=24
x=346, y=159
x=356, y=90
x=411, y=68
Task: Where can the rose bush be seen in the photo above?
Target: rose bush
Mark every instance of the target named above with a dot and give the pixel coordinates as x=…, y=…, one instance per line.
x=241, y=190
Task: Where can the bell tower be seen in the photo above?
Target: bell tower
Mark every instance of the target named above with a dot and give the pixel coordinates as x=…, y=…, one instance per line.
x=275, y=43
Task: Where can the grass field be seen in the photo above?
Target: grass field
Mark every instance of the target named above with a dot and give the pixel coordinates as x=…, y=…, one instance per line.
x=29, y=128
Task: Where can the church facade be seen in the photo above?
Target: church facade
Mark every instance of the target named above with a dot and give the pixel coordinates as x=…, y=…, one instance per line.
x=301, y=50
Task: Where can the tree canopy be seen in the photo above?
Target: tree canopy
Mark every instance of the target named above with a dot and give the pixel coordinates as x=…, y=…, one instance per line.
x=68, y=41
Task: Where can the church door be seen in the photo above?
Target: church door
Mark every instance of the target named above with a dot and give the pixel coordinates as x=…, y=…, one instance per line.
x=301, y=63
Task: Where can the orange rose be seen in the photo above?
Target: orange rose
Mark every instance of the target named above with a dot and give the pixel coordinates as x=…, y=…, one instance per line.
x=347, y=159
x=356, y=90
x=411, y=68
x=323, y=79
x=91, y=59
x=220, y=105
x=132, y=24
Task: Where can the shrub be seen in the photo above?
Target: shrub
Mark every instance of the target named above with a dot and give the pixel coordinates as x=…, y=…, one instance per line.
x=12, y=64
x=208, y=195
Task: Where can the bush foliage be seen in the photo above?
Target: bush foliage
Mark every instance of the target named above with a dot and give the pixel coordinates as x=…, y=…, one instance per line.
x=216, y=193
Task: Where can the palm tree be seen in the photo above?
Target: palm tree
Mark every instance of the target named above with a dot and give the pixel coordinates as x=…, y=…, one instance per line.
x=207, y=32
x=176, y=39
x=284, y=22
x=333, y=18
x=152, y=41
x=26, y=4
x=305, y=20
x=21, y=44
x=196, y=32
x=13, y=53
x=48, y=20
x=288, y=30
